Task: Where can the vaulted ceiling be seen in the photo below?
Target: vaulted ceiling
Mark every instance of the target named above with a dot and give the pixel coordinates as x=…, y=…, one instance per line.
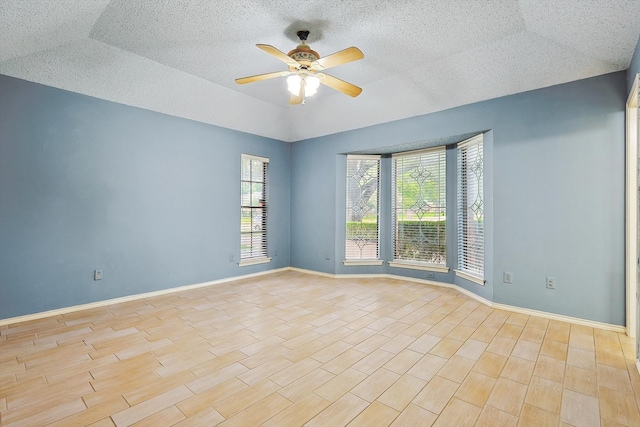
x=181, y=57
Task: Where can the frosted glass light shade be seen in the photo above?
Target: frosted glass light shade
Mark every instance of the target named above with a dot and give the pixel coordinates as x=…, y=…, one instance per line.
x=293, y=84
x=310, y=83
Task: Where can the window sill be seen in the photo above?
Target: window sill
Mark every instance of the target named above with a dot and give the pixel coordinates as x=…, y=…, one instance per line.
x=253, y=261
x=470, y=277
x=416, y=266
x=350, y=262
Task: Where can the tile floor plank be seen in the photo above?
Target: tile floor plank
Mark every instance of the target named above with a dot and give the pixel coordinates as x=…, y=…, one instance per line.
x=436, y=394
x=375, y=384
x=458, y=413
x=375, y=415
x=414, y=415
x=298, y=413
x=339, y=413
x=579, y=409
x=259, y=412
x=150, y=407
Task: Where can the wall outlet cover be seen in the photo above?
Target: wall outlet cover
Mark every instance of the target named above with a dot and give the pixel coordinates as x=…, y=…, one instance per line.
x=97, y=274
x=551, y=282
x=507, y=277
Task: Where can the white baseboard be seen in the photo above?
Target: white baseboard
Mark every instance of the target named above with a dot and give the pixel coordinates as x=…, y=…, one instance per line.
x=320, y=273
x=561, y=317
x=498, y=306
x=552, y=316
x=66, y=310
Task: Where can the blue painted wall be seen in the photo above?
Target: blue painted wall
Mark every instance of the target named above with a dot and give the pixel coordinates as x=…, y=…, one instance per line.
x=559, y=199
x=148, y=198
x=555, y=193
x=634, y=67
x=151, y=199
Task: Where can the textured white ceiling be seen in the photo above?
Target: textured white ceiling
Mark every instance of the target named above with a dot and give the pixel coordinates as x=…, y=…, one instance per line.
x=181, y=57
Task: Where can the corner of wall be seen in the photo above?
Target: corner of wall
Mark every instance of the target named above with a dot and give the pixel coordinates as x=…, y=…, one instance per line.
x=634, y=67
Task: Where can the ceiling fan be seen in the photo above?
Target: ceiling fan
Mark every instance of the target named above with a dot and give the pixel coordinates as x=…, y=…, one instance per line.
x=305, y=69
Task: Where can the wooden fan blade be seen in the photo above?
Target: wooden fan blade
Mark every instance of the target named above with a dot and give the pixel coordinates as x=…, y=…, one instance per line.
x=251, y=79
x=344, y=56
x=280, y=55
x=294, y=100
x=339, y=85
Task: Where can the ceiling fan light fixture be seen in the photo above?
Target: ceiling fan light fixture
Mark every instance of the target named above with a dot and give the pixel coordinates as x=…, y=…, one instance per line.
x=310, y=83
x=293, y=83
x=304, y=64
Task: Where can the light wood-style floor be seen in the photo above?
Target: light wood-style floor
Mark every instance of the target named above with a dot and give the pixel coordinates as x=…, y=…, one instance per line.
x=293, y=349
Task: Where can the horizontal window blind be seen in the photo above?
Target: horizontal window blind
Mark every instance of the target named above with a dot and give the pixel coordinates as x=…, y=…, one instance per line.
x=362, y=225
x=470, y=207
x=419, y=206
x=253, y=207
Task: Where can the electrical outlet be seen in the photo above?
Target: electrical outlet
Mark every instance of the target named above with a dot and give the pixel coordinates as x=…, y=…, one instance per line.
x=230, y=257
x=327, y=256
x=97, y=274
x=551, y=282
x=275, y=253
x=431, y=275
x=507, y=277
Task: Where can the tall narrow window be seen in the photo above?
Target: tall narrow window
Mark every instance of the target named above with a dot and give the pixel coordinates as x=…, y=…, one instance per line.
x=253, y=209
x=419, y=208
x=471, y=209
x=363, y=180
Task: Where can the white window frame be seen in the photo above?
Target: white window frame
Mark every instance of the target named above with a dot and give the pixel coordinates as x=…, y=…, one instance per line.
x=470, y=263
x=351, y=256
x=256, y=255
x=412, y=263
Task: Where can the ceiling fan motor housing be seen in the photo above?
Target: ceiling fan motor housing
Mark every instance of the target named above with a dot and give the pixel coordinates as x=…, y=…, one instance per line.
x=303, y=53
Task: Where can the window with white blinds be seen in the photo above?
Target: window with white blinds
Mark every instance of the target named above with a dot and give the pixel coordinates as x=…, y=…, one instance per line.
x=470, y=207
x=253, y=208
x=362, y=226
x=419, y=193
